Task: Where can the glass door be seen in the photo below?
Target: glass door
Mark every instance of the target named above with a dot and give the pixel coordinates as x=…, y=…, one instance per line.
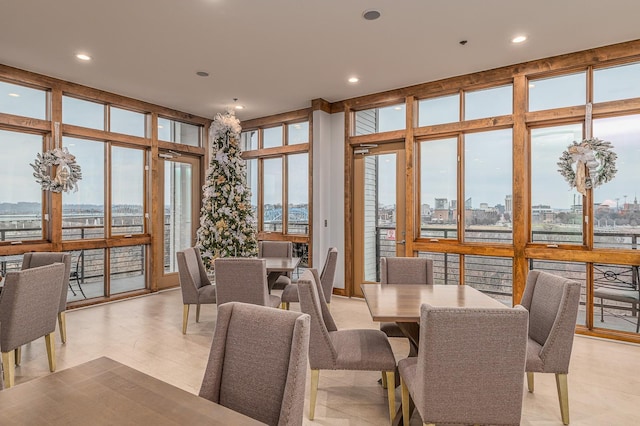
x=179, y=201
x=378, y=211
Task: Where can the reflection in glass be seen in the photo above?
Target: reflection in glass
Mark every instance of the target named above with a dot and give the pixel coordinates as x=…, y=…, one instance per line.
x=272, y=137
x=178, y=224
x=127, y=191
x=487, y=187
x=491, y=275
x=127, y=266
x=440, y=110
x=438, y=188
x=488, y=102
x=82, y=113
x=616, y=205
x=571, y=270
x=377, y=120
x=272, y=187
x=127, y=122
x=86, y=280
x=556, y=210
x=615, y=297
x=20, y=194
x=83, y=211
x=298, y=133
x=178, y=132
x=249, y=140
x=558, y=92
x=24, y=101
x=621, y=82
x=298, y=194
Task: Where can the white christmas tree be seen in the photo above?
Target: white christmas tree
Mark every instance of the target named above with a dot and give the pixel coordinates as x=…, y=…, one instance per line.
x=226, y=219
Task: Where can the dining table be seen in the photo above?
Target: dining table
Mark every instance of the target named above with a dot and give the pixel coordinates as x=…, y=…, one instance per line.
x=400, y=303
x=106, y=392
x=277, y=265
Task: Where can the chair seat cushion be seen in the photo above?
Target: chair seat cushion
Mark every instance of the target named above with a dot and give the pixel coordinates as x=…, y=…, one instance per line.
x=290, y=294
x=391, y=329
x=534, y=362
x=367, y=350
x=408, y=368
x=207, y=294
x=282, y=282
x=631, y=296
x=274, y=301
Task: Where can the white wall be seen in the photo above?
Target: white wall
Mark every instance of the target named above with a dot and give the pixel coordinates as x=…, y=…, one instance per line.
x=328, y=189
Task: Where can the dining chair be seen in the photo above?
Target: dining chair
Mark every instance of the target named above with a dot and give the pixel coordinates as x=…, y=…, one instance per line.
x=469, y=368
x=404, y=270
x=327, y=277
x=36, y=259
x=194, y=283
x=333, y=349
x=28, y=310
x=277, y=249
x=243, y=280
x=552, y=302
x=258, y=363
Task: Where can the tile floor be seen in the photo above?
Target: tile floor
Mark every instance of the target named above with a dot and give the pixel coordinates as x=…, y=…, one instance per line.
x=145, y=333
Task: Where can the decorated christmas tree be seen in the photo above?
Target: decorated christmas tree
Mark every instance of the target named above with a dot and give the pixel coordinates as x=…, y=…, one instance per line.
x=226, y=219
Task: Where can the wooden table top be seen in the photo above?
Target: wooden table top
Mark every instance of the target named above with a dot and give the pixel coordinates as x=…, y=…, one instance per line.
x=281, y=264
x=401, y=302
x=105, y=392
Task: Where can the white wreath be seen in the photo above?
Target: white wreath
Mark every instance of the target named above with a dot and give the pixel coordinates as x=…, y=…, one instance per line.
x=595, y=164
x=68, y=172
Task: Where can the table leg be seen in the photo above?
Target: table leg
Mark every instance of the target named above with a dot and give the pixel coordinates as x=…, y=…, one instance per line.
x=412, y=331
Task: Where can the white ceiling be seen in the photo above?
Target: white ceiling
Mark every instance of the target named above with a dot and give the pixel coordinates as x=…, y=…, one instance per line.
x=278, y=55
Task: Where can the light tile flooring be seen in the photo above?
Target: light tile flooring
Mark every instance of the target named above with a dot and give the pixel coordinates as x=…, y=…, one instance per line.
x=145, y=333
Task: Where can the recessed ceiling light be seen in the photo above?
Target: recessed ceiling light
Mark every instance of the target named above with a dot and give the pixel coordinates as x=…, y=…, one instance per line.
x=371, y=14
x=202, y=74
x=14, y=95
x=354, y=80
x=518, y=39
x=238, y=107
x=83, y=57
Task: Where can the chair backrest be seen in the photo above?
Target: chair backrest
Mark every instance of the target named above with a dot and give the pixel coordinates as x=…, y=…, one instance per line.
x=275, y=249
x=322, y=353
x=29, y=304
x=471, y=365
x=241, y=280
x=552, y=302
x=192, y=274
x=36, y=259
x=258, y=363
x=328, y=274
x=406, y=270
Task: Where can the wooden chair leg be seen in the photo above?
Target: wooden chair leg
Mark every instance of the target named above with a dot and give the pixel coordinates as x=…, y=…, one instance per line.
x=51, y=350
x=185, y=317
x=18, y=355
x=315, y=376
x=391, y=393
x=530, y=381
x=8, y=368
x=406, y=410
x=62, y=325
x=384, y=380
x=198, y=312
x=285, y=305
x=563, y=397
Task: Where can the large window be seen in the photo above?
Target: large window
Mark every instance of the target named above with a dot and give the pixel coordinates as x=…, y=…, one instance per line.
x=178, y=132
x=272, y=190
x=556, y=92
x=378, y=120
x=127, y=122
x=83, y=113
x=127, y=191
x=298, y=194
x=20, y=195
x=22, y=100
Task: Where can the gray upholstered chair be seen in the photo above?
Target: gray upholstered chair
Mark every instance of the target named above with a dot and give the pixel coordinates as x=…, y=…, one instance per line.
x=403, y=270
x=469, y=368
x=194, y=283
x=333, y=349
x=243, y=280
x=552, y=302
x=28, y=310
x=327, y=277
x=34, y=260
x=258, y=363
x=277, y=249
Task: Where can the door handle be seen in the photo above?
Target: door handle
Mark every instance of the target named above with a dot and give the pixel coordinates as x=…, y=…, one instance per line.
x=401, y=242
